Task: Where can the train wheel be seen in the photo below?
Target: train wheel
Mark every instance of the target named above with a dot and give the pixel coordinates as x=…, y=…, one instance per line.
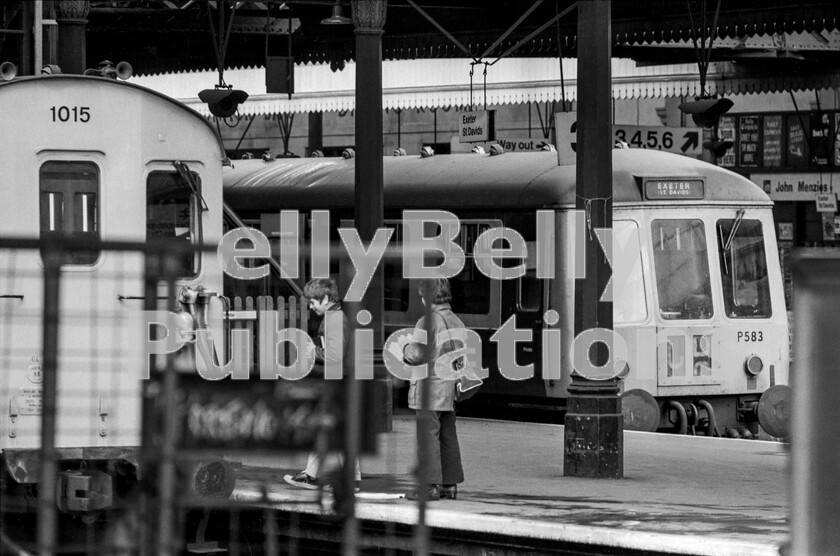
x=640, y=410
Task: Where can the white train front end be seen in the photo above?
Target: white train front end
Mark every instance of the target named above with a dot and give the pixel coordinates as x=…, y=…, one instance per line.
x=92, y=159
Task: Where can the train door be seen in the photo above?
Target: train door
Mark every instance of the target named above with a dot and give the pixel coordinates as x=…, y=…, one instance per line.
x=65, y=197
x=687, y=351
x=179, y=215
x=524, y=298
x=755, y=335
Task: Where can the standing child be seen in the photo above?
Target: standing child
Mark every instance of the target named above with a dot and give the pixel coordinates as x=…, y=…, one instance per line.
x=324, y=301
x=435, y=423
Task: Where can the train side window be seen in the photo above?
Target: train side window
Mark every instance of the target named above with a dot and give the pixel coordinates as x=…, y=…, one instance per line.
x=681, y=264
x=629, y=296
x=172, y=214
x=69, y=193
x=743, y=268
x=470, y=287
x=396, y=287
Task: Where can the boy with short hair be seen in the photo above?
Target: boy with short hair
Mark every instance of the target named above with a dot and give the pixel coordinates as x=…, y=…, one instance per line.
x=324, y=301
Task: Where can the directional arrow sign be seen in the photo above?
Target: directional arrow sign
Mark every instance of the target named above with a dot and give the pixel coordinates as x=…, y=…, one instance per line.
x=680, y=140
x=692, y=140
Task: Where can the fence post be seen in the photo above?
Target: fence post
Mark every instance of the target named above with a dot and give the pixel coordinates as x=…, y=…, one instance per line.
x=815, y=483
x=47, y=521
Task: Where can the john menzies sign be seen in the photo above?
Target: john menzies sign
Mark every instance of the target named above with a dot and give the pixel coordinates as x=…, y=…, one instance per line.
x=804, y=186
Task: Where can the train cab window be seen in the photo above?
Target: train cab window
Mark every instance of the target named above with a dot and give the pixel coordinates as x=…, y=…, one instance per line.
x=743, y=268
x=629, y=297
x=172, y=214
x=681, y=264
x=69, y=206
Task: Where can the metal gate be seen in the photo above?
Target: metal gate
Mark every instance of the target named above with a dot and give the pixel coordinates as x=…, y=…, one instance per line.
x=114, y=444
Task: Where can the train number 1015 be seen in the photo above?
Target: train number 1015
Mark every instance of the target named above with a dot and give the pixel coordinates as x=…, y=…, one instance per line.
x=70, y=113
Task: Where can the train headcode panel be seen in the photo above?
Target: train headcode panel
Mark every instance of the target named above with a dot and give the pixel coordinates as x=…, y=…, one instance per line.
x=669, y=189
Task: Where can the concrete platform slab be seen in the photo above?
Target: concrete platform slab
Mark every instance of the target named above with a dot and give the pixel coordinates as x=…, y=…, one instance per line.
x=683, y=495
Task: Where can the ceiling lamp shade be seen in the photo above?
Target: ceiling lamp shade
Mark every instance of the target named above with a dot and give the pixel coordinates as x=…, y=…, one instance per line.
x=336, y=18
x=706, y=111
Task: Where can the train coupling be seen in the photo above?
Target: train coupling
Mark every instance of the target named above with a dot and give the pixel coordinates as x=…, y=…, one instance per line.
x=84, y=491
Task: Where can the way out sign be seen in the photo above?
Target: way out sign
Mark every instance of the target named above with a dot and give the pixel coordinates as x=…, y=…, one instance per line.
x=476, y=127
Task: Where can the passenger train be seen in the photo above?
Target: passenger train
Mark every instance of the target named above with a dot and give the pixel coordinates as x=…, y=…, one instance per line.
x=698, y=299
x=700, y=308
x=103, y=162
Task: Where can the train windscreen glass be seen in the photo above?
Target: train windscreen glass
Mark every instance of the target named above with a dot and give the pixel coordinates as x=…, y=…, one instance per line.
x=681, y=263
x=69, y=193
x=172, y=213
x=743, y=269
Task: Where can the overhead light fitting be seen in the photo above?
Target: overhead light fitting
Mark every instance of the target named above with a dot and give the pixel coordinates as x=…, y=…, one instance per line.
x=337, y=18
x=718, y=147
x=706, y=111
x=223, y=100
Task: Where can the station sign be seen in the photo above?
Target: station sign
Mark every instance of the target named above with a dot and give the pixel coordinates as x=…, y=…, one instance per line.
x=679, y=140
x=476, y=126
x=511, y=144
x=796, y=186
x=827, y=202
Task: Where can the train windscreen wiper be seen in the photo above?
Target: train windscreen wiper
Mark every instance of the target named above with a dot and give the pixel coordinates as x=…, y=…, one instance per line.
x=727, y=245
x=187, y=176
x=738, y=218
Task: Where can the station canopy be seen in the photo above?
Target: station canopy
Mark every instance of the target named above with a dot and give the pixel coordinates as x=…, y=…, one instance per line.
x=445, y=83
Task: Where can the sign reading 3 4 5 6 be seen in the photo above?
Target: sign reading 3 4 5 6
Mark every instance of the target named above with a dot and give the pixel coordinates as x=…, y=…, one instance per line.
x=680, y=140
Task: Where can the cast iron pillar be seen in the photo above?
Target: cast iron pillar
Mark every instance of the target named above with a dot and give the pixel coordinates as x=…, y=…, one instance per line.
x=71, y=16
x=369, y=22
x=594, y=430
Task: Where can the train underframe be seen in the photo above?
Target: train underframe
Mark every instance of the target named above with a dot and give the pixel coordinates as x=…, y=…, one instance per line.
x=732, y=416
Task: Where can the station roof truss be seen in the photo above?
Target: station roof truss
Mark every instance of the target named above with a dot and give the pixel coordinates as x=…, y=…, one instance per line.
x=167, y=35
x=762, y=38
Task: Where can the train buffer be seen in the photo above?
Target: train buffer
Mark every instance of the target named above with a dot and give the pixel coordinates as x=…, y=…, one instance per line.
x=679, y=494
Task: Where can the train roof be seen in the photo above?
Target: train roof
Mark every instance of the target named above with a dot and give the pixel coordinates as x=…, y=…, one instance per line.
x=523, y=180
x=63, y=78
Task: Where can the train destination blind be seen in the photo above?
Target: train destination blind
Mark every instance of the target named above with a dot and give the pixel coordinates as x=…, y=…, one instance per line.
x=669, y=189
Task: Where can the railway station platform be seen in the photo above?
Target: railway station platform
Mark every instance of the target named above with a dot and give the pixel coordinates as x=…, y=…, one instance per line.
x=679, y=494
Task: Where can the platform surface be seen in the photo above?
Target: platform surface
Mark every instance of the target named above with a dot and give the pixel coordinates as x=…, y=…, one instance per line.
x=683, y=494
